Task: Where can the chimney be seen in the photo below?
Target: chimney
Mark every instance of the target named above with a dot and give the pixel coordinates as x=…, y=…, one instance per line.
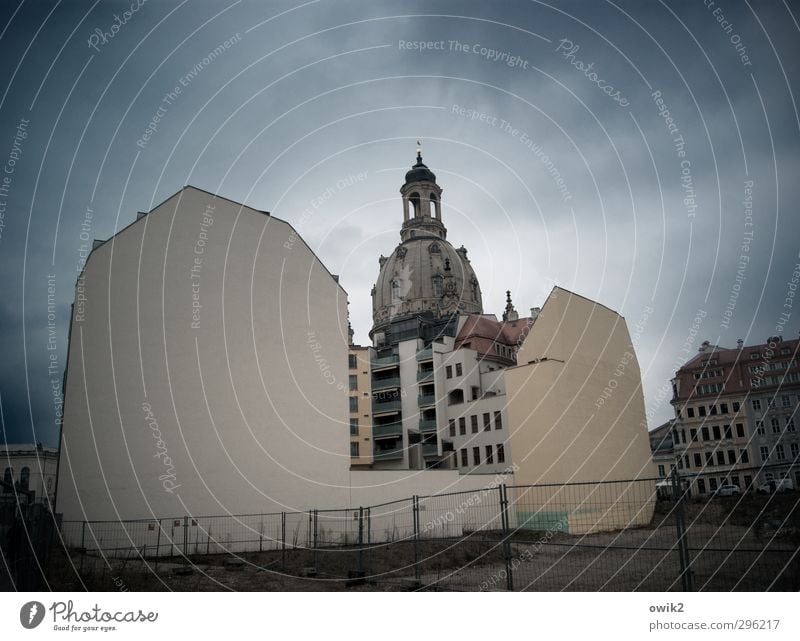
x=739, y=344
x=704, y=346
x=535, y=312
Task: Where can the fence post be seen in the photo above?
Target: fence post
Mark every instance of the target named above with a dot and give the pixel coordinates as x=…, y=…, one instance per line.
x=506, y=537
x=83, y=544
x=283, y=540
x=158, y=545
x=316, y=521
x=369, y=525
x=680, y=524
x=185, y=535
x=360, y=541
x=415, y=510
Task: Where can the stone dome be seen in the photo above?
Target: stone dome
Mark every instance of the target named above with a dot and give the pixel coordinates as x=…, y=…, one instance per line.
x=425, y=274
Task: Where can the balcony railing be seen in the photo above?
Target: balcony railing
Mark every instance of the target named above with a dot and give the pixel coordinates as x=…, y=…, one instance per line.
x=387, y=429
x=392, y=454
x=430, y=450
x=425, y=354
x=385, y=383
x=385, y=361
x=426, y=399
x=427, y=425
x=385, y=406
x=424, y=376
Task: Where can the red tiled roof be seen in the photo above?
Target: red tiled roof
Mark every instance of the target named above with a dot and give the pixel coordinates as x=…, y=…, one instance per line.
x=482, y=332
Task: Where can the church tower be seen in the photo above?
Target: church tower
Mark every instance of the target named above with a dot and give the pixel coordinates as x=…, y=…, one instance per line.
x=425, y=283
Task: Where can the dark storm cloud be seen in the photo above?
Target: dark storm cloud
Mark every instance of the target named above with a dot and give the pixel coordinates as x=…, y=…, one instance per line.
x=280, y=102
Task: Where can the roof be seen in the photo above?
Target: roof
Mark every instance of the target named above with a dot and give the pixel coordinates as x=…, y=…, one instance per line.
x=482, y=331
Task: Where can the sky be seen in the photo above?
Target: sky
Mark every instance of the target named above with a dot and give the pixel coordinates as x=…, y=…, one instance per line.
x=642, y=154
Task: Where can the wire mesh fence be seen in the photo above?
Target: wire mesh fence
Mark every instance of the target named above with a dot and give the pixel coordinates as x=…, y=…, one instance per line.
x=631, y=535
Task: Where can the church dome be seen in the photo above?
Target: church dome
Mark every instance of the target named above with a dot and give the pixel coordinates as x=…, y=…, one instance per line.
x=424, y=275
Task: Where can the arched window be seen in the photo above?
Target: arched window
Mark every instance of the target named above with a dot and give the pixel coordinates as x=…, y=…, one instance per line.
x=437, y=286
x=434, y=206
x=24, y=478
x=414, y=200
x=395, y=289
x=8, y=479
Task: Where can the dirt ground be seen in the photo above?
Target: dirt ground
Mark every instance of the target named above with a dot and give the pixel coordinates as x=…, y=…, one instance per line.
x=750, y=544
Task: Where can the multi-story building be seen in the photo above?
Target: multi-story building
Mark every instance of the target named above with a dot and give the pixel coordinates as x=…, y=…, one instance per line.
x=30, y=468
x=662, y=449
x=359, y=400
x=735, y=415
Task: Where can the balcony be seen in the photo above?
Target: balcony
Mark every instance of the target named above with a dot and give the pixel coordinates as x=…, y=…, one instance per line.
x=387, y=429
x=391, y=454
x=426, y=399
x=379, y=407
x=385, y=383
x=424, y=377
x=385, y=361
x=425, y=354
x=427, y=425
x=429, y=451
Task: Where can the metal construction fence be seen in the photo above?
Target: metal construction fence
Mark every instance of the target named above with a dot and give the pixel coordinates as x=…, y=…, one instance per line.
x=643, y=534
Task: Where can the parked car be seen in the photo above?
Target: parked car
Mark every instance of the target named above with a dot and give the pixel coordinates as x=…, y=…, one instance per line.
x=776, y=485
x=728, y=490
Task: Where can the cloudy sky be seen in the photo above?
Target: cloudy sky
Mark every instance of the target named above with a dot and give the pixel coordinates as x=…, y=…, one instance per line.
x=632, y=152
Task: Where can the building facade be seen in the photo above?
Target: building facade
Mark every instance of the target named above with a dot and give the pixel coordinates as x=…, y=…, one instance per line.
x=360, y=400
x=735, y=415
x=30, y=468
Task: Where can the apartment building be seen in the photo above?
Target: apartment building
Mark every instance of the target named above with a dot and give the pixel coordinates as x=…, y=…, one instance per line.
x=359, y=404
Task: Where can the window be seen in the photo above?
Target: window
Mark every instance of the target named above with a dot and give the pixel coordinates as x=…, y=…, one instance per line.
x=475, y=393
x=693, y=435
x=735, y=480
x=756, y=404
x=698, y=460
x=459, y=371
x=437, y=286
x=732, y=457
x=712, y=484
x=487, y=421
x=462, y=426
x=498, y=420
x=474, y=420
x=787, y=402
x=476, y=456
x=727, y=432
x=353, y=382
x=794, y=449
x=740, y=430
x=776, y=426
x=748, y=481
x=683, y=436
x=352, y=361
x=720, y=457
x=702, y=410
x=680, y=463
x=455, y=459
x=706, y=437
x=760, y=427
x=779, y=451
x=354, y=449
x=686, y=461
x=661, y=471
x=709, y=458
x=744, y=456
x=690, y=412
x=489, y=455
x=715, y=431
x=8, y=479
x=701, y=486
x=448, y=371
x=723, y=408
x=712, y=410
x=501, y=453
x=764, y=453
x=464, y=457
x=790, y=425
x=353, y=427
x=736, y=406
x=354, y=403
x=452, y=423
